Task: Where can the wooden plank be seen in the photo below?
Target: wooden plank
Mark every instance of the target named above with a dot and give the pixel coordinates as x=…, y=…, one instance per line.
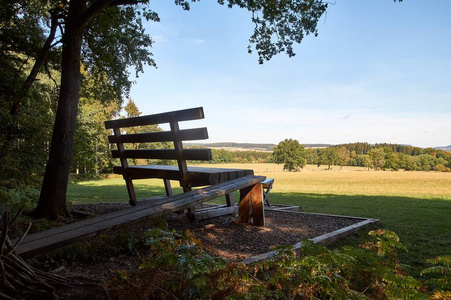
x=258, y=210
x=44, y=241
x=244, y=206
x=180, y=115
x=167, y=187
x=251, y=206
x=333, y=236
x=162, y=136
x=124, y=164
x=267, y=187
x=197, y=176
x=181, y=156
x=229, y=200
x=171, y=154
x=324, y=239
x=215, y=212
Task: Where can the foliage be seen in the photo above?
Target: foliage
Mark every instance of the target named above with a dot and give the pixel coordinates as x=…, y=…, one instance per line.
x=381, y=157
x=221, y=156
x=278, y=24
x=179, y=267
x=328, y=156
x=441, y=271
x=290, y=153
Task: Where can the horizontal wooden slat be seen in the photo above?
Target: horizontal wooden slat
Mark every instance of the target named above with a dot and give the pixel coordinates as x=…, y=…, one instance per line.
x=189, y=154
x=47, y=240
x=197, y=176
x=179, y=115
x=163, y=136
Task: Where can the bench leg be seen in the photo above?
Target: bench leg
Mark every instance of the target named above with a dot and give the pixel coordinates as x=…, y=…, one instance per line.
x=266, y=191
x=131, y=191
x=167, y=187
x=229, y=199
x=251, y=205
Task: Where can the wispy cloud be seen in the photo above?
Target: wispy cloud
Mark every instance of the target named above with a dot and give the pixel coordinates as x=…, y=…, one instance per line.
x=194, y=41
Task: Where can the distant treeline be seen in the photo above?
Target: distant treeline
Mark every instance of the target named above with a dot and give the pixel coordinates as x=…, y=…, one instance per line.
x=381, y=156
x=371, y=156
x=250, y=146
x=224, y=156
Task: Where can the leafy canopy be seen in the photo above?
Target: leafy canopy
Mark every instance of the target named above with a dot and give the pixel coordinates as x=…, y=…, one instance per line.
x=290, y=153
x=278, y=24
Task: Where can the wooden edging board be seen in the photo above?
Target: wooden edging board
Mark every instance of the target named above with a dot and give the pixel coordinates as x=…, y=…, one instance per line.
x=324, y=239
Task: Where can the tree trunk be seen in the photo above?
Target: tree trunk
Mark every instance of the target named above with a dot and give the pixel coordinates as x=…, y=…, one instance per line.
x=52, y=201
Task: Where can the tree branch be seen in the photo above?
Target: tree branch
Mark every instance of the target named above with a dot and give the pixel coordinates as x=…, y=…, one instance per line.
x=40, y=60
x=126, y=2
x=94, y=9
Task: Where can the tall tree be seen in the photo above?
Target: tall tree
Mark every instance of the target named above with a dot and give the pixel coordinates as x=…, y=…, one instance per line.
x=377, y=156
x=291, y=154
x=26, y=110
x=108, y=37
x=328, y=156
x=103, y=55
x=131, y=109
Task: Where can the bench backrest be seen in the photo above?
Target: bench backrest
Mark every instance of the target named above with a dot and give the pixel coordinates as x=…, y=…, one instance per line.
x=174, y=135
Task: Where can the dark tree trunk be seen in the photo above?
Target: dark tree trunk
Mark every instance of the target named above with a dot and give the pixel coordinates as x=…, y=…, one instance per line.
x=52, y=201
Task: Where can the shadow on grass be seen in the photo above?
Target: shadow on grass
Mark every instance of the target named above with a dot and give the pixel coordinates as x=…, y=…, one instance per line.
x=422, y=224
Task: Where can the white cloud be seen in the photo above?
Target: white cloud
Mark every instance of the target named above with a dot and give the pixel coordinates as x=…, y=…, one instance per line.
x=194, y=41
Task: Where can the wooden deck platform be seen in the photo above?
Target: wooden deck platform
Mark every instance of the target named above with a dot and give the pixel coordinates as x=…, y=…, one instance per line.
x=47, y=240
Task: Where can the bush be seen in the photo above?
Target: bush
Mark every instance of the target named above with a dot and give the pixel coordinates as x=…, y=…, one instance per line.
x=441, y=168
x=179, y=268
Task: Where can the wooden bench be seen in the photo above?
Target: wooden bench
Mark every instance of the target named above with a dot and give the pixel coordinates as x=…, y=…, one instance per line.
x=249, y=187
x=267, y=187
x=187, y=176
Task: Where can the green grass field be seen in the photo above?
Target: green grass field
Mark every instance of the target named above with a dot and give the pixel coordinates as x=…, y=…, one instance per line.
x=416, y=205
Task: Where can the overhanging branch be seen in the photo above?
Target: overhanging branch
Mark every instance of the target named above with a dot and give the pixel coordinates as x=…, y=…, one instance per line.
x=97, y=6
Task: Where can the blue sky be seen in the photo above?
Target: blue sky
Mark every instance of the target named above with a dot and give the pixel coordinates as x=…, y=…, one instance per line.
x=377, y=72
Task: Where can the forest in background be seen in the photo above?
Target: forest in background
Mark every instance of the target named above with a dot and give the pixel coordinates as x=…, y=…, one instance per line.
x=377, y=157
x=24, y=160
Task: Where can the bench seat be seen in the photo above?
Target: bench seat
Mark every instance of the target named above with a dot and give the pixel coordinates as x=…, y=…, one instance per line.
x=196, y=176
x=41, y=242
x=134, y=140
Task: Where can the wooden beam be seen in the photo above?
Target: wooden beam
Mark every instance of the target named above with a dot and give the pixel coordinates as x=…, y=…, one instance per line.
x=251, y=205
x=189, y=154
x=215, y=212
x=179, y=115
x=161, y=136
x=47, y=240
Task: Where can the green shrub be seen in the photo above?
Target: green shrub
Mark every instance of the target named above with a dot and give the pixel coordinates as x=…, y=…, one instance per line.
x=179, y=267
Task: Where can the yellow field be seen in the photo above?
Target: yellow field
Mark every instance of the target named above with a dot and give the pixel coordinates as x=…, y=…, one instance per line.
x=353, y=181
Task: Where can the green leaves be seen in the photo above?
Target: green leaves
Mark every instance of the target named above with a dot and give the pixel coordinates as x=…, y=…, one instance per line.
x=114, y=41
x=278, y=24
x=441, y=275
x=290, y=153
x=179, y=266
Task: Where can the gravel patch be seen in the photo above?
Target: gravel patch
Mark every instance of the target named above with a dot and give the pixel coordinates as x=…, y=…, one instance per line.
x=224, y=237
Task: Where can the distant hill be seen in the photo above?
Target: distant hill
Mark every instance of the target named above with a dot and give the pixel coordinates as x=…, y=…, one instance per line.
x=444, y=148
x=248, y=146
x=243, y=146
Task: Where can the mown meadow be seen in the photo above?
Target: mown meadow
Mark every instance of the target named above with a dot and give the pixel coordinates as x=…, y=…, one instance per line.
x=415, y=205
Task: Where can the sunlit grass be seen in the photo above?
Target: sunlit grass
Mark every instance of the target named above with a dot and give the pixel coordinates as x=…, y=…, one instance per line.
x=354, y=181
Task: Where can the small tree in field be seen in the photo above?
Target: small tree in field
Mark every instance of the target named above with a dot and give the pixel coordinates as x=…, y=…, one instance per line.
x=290, y=153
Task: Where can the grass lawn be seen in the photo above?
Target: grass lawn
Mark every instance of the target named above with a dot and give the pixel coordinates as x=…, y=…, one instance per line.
x=416, y=205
